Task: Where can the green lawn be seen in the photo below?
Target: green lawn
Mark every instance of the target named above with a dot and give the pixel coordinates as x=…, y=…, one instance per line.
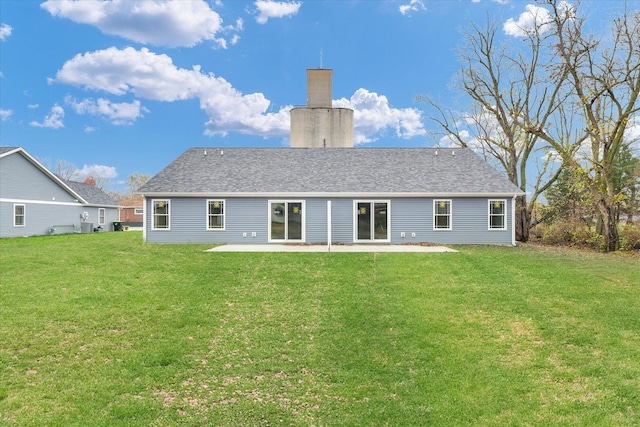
x=104, y=330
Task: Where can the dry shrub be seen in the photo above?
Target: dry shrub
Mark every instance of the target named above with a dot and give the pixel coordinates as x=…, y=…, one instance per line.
x=630, y=237
x=578, y=234
x=571, y=233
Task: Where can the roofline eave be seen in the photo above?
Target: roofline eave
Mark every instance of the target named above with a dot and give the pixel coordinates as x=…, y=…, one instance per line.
x=327, y=194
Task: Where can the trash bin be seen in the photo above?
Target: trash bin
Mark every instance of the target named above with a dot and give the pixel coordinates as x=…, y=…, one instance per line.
x=86, y=227
x=117, y=225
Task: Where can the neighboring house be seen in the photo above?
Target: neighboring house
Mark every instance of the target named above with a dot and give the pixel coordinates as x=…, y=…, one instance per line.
x=317, y=195
x=35, y=201
x=131, y=212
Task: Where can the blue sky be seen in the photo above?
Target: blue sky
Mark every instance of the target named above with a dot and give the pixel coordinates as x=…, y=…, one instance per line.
x=124, y=87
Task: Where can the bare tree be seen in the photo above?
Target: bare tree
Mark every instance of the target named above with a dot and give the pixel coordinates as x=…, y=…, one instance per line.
x=136, y=181
x=66, y=170
x=505, y=84
x=603, y=74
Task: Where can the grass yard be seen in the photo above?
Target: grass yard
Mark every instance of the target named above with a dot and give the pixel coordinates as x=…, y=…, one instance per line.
x=104, y=330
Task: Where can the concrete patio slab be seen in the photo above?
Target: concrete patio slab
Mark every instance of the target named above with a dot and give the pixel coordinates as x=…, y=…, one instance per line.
x=334, y=248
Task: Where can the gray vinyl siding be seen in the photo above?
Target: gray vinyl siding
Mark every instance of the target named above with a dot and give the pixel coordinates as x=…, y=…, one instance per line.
x=46, y=203
x=41, y=218
x=20, y=179
x=469, y=222
x=250, y=215
x=342, y=220
x=188, y=221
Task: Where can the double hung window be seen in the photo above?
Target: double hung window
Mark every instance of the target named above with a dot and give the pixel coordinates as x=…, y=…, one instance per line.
x=442, y=214
x=497, y=214
x=215, y=214
x=19, y=215
x=161, y=215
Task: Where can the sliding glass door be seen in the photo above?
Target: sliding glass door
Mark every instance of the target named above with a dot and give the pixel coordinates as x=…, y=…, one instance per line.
x=371, y=218
x=286, y=221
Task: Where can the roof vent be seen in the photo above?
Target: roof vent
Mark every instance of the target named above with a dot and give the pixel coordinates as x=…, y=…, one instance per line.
x=453, y=153
x=436, y=152
x=221, y=153
x=205, y=153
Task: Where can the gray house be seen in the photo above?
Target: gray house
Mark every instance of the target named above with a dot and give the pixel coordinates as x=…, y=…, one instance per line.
x=34, y=201
x=337, y=195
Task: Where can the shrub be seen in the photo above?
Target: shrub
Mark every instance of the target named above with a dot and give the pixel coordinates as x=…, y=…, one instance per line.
x=630, y=237
x=571, y=233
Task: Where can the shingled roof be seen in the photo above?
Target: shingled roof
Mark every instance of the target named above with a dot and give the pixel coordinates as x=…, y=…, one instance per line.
x=329, y=171
x=7, y=149
x=92, y=194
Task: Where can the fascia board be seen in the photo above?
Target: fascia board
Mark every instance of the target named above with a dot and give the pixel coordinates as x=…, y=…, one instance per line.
x=8, y=153
x=324, y=194
x=95, y=205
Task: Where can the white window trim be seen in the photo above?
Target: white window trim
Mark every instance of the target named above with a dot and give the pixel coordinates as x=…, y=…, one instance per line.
x=138, y=211
x=24, y=215
x=450, y=215
x=153, y=214
x=224, y=215
x=102, y=216
x=303, y=237
x=355, y=221
x=504, y=214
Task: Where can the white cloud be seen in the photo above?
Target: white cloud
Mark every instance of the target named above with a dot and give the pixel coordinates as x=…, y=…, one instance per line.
x=275, y=9
x=5, y=114
x=89, y=129
x=33, y=106
x=412, y=6
x=373, y=115
x=97, y=171
x=155, y=77
x=123, y=113
x=5, y=31
x=53, y=120
x=535, y=18
x=169, y=23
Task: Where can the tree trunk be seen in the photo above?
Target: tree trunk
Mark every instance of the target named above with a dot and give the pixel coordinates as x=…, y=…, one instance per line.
x=609, y=227
x=632, y=205
x=523, y=219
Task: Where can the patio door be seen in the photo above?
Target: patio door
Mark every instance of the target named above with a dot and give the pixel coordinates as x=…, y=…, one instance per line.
x=286, y=221
x=371, y=221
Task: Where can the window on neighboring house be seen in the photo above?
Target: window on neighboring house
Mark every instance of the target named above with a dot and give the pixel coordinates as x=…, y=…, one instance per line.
x=19, y=215
x=215, y=214
x=161, y=215
x=100, y=216
x=138, y=211
x=442, y=214
x=497, y=214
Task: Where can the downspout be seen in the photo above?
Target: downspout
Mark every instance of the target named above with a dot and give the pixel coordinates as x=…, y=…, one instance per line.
x=513, y=221
x=328, y=225
x=144, y=219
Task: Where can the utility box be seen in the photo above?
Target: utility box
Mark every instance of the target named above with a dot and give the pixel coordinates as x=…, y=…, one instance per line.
x=86, y=227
